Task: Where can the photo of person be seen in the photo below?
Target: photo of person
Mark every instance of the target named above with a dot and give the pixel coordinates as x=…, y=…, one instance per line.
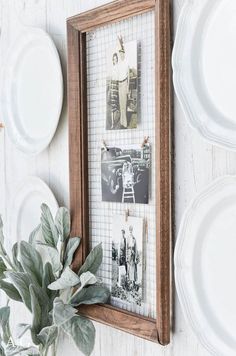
x=125, y=174
x=122, y=93
x=127, y=241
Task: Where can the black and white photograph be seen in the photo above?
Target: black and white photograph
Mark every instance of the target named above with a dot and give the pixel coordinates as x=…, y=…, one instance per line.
x=122, y=86
x=125, y=174
x=127, y=245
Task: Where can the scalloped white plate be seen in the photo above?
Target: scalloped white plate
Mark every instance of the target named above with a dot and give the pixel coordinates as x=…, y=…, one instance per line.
x=205, y=266
x=32, y=91
x=25, y=207
x=204, y=58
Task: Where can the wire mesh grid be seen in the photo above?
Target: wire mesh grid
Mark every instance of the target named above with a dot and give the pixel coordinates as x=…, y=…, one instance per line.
x=141, y=29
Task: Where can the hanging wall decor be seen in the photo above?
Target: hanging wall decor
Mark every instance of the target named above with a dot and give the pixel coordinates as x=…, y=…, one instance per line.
x=205, y=266
x=120, y=158
x=204, y=69
x=32, y=90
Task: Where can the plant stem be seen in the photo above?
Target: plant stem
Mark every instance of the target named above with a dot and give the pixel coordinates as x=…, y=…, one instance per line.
x=54, y=348
x=55, y=344
x=46, y=352
x=41, y=350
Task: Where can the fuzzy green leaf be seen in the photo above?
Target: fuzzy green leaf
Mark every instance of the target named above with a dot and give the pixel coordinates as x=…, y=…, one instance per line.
x=71, y=247
x=10, y=290
x=48, y=278
x=91, y=295
x=63, y=223
x=4, y=315
x=21, y=282
x=31, y=261
x=48, y=335
x=93, y=261
x=4, y=322
x=37, y=315
x=68, y=279
x=2, y=351
x=49, y=230
x=15, y=260
x=86, y=278
x=62, y=312
x=3, y=268
x=35, y=235
x=44, y=303
x=82, y=332
x=54, y=256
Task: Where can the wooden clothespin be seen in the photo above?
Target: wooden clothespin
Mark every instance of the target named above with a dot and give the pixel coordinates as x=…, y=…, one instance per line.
x=145, y=141
x=126, y=215
x=1, y=126
x=104, y=146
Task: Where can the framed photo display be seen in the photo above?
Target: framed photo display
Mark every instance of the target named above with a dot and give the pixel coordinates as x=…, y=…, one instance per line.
x=119, y=96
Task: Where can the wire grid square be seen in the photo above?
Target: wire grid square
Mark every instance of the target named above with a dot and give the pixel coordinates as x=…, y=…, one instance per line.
x=141, y=29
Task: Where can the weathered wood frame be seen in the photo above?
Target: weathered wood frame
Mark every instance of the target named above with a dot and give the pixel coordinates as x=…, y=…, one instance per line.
x=155, y=330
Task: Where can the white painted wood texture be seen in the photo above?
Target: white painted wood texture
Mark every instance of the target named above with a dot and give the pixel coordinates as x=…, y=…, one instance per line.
x=196, y=164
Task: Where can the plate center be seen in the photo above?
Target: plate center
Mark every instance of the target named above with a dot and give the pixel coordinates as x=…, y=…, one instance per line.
x=36, y=91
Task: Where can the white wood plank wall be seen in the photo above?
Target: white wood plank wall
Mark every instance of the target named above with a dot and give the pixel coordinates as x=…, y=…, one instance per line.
x=196, y=164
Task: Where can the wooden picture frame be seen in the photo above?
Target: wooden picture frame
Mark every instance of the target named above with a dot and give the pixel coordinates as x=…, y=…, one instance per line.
x=155, y=330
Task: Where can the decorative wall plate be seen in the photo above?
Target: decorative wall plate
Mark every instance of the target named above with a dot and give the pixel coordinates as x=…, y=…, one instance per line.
x=25, y=208
x=204, y=58
x=205, y=266
x=32, y=91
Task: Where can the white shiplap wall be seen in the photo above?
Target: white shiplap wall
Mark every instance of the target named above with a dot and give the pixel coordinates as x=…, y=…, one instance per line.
x=196, y=164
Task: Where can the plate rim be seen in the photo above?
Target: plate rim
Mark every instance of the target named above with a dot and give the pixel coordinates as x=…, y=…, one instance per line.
x=180, y=270
x=17, y=138
x=183, y=96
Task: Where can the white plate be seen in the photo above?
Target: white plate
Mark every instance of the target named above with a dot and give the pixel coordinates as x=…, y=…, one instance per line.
x=205, y=266
x=25, y=208
x=32, y=91
x=204, y=58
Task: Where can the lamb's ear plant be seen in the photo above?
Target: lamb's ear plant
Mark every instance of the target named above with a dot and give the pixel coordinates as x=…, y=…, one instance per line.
x=50, y=289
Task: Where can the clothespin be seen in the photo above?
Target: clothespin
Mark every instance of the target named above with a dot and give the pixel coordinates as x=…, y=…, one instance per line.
x=1, y=126
x=145, y=141
x=126, y=215
x=104, y=146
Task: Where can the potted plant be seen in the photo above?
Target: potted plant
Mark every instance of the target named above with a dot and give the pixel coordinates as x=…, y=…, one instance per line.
x=48, y=287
